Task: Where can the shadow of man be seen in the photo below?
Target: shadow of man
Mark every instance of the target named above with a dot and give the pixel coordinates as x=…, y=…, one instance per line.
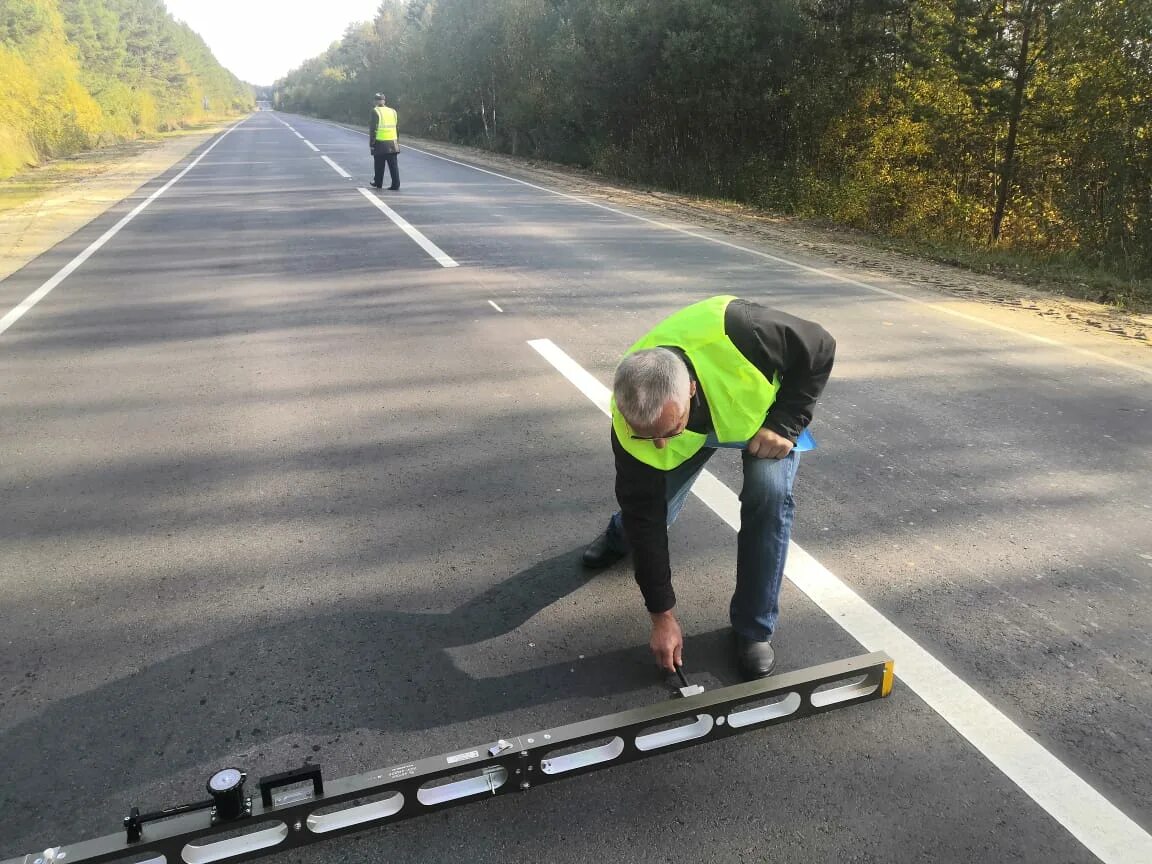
x=356, y=666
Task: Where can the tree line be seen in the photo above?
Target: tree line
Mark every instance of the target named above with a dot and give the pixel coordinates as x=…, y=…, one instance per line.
x=76, y=74
x=1019, y=124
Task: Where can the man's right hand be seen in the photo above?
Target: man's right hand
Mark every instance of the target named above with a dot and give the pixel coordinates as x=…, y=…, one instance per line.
x=667, y=641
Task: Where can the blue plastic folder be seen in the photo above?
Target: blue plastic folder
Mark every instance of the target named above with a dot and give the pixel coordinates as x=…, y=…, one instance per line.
x=803, y=444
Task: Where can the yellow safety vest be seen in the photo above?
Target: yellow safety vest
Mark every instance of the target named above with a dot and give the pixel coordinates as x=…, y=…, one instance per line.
x=738, y=394
x=386, y=123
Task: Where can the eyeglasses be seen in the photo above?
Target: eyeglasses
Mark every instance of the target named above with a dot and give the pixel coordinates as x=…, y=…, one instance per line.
x=654, y=437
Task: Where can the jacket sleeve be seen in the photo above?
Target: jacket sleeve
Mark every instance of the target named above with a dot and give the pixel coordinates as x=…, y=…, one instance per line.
x=800, y=352
x=372, y=128
x=640, y=491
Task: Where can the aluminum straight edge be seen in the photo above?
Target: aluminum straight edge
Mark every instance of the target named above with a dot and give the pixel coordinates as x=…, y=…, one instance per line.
x=802, y=679
x=168, y=836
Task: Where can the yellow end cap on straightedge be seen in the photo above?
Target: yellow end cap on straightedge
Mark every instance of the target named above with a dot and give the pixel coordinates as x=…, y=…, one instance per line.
x=889, y=674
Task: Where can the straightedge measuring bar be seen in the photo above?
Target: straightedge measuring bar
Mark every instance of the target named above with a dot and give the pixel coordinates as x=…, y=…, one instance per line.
x=232, y=827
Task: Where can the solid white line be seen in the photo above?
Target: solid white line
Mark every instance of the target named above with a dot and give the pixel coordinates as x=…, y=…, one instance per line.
x=425, y=244
x=310, y=144
x=64, y=272
x=339, y=170
x=494, y=306
x=937, y=307
x=1085, y=813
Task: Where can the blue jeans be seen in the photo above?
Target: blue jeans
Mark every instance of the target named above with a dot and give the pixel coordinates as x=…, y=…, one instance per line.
x=766, y=513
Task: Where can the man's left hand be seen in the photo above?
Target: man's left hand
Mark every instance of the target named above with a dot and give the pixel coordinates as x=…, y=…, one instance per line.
x=766, y=444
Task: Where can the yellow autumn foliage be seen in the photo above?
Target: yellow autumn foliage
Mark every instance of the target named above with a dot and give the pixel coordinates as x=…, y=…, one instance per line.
x=59, y=97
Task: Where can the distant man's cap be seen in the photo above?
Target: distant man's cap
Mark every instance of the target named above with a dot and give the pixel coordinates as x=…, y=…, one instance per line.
x=379, y=95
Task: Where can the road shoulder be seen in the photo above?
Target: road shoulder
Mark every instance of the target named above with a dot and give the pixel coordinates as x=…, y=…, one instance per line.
x=44, y=206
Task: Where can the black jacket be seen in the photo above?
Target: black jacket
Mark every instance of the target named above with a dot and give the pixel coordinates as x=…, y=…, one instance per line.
x=774, y=342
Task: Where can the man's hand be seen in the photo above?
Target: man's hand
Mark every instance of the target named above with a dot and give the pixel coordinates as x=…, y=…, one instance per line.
x=667, y=641
x=766, y=444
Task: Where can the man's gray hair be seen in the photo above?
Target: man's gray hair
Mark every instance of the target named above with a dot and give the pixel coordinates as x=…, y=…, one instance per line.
x=646, y=381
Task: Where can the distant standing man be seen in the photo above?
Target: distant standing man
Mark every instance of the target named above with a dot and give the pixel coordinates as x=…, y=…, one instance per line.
x=383, y=144
x=724, y=372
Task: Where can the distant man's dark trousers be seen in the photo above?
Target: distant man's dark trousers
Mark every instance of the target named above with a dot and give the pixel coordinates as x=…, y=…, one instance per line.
x=389, y=159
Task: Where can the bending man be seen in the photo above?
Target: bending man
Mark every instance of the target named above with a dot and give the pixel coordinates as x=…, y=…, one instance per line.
x=724, y=372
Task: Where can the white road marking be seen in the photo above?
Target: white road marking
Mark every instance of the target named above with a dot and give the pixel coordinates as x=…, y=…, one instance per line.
x=338, y=169
x=936, y=307
x=1109, y=834
x=424, y=243
x=494, y=306
x=64, y=272
x=313, y=146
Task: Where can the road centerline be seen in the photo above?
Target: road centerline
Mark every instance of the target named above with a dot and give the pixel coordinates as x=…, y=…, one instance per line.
x=336, y=167
x=424, y=243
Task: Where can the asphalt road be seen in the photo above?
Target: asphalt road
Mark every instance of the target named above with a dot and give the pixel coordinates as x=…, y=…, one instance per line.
x=276, y=486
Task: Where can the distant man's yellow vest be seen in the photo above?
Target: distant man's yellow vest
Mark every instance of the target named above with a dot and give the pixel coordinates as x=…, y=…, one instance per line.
x=386, y=124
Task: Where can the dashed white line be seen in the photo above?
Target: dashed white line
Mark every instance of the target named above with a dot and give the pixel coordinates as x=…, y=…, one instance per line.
x=494, y=306
x=424, y=243
x=441, y=257
x=336, y=167
x=313, y=146
x=1093, y=820
x=64, y=272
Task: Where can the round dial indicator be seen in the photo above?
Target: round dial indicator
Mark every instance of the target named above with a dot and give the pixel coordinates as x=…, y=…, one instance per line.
x=225, y=780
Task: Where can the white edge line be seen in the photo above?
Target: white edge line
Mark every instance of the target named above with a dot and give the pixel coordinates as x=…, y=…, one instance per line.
x=1107, y=832
x=424, y=243
x=337, y=168
x=64, y=272
x=494, y=306
x=928, y=304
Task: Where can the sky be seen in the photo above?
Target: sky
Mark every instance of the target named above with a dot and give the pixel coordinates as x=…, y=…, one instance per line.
x=262, y=40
